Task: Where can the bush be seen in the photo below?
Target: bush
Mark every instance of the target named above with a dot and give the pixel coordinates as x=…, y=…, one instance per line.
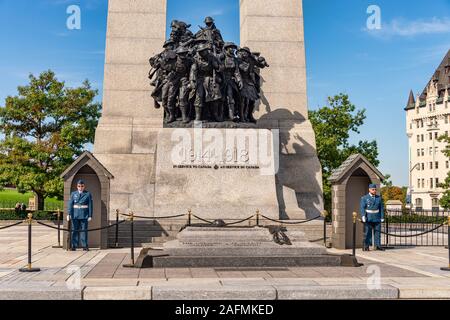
x=415, y=218
x=22, y=215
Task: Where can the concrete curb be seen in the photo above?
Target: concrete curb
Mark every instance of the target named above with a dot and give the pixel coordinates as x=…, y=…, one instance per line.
x=36, y=293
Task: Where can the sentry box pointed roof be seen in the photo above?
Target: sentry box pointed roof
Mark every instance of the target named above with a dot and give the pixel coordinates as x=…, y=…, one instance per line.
x=80, y=162
x=348, y=166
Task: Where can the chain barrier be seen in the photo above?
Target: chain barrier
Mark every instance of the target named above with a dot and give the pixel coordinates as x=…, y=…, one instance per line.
x=291, y=222
x=154, y=218
x=89, y=230
x=413, y=235
x=12, y=225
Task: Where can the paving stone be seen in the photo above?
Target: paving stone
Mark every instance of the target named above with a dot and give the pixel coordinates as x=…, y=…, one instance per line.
x=358, y=292
x=39, y=293
x=118, y=293
x=213, y=293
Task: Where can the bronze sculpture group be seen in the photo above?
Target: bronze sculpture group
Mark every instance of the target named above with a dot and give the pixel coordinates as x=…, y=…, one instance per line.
x=200, y=77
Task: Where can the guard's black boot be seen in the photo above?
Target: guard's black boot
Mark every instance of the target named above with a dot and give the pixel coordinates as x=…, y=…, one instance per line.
x=366, y=249
x=380, y=249
x=184, y=115
x=86, y=249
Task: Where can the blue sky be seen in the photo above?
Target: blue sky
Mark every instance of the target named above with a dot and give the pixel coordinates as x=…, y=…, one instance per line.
x=376, y=68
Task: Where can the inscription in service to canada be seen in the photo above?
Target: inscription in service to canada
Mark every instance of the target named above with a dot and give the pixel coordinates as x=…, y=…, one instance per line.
x=214, y=149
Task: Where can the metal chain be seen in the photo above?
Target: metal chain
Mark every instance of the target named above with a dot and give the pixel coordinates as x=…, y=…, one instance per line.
x=290, y=222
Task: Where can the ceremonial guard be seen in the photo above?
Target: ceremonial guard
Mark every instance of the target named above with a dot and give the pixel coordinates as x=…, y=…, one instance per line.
x=80, y=213
x=372, y=215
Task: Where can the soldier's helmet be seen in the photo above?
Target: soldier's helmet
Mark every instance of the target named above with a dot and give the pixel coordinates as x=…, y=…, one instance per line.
x=182, y=50
x=229, y=45
x=168, y=43
x=246, y=49
x=203, y=47
x=209, y=20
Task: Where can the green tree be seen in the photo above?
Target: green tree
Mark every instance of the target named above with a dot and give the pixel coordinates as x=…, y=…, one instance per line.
x=45, y=127
x=445, y=199
x=333, y=125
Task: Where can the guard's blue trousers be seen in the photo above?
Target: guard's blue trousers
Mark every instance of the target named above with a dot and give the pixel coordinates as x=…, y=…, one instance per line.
x=369, y=229
x=79, y=233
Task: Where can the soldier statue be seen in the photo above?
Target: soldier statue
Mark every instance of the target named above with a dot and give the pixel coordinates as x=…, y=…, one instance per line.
x=248, y=65
x=211, y=34
x=80, y=213
x=180, y=34
x=181, y=83
x=204, y=82
x=372, y=215
x=158, y=72
x=202, y=71
x=232, y=81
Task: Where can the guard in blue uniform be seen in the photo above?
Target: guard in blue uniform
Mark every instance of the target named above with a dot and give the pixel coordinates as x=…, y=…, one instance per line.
x=372, y=215
x=80, y=213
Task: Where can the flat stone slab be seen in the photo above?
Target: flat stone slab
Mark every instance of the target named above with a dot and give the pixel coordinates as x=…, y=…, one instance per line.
x=245, y=261
x=36, y=293
x=352, y=292
x=118, y=293
x=238, y=242
x=214, y=293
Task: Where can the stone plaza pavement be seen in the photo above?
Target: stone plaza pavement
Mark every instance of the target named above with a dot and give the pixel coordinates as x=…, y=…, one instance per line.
x=403, y=273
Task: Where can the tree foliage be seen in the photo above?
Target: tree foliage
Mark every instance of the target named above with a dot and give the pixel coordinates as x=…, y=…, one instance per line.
x=333, y=125
x=445, y=199
x=45, y=127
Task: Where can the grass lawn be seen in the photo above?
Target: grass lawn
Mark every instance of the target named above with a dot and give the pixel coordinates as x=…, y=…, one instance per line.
x=9, y=198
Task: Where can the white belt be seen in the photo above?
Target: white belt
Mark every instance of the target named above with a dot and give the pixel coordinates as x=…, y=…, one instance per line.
x=372, y=211
x=80, y=207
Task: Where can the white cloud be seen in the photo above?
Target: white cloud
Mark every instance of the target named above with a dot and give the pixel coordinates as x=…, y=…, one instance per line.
x=403, y=28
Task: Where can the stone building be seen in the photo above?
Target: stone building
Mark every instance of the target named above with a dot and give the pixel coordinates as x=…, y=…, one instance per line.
x=428, y=118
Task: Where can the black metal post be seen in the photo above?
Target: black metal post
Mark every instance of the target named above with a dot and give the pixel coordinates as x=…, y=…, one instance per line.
x=116, y=242
x=28, y=268
x=325, y=215
x=189, y=218
x=355, y=215
x=448, y=241
x=131, y=265
x=351, y=260
x=257, y=218
x=69, y=237
x=58, y=215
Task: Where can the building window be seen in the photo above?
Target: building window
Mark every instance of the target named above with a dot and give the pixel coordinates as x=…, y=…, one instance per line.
x=418, y=183
x=423, y=152
x=435, y=205
x=423, y=138
x=418, y=152
x=431, y=165
x=446, y=165
x=431, y=150
x=431, y=183
x=423, y=166
x=435, y=135
x=436, y=150
x=419, y=204
x=436, y=165
x=437, y=182
x=446, y=119
x=421, y=123
x=418, y=138
x=423, y=183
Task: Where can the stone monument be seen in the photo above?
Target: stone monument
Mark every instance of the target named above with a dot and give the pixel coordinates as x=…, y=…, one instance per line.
x=162, y=170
